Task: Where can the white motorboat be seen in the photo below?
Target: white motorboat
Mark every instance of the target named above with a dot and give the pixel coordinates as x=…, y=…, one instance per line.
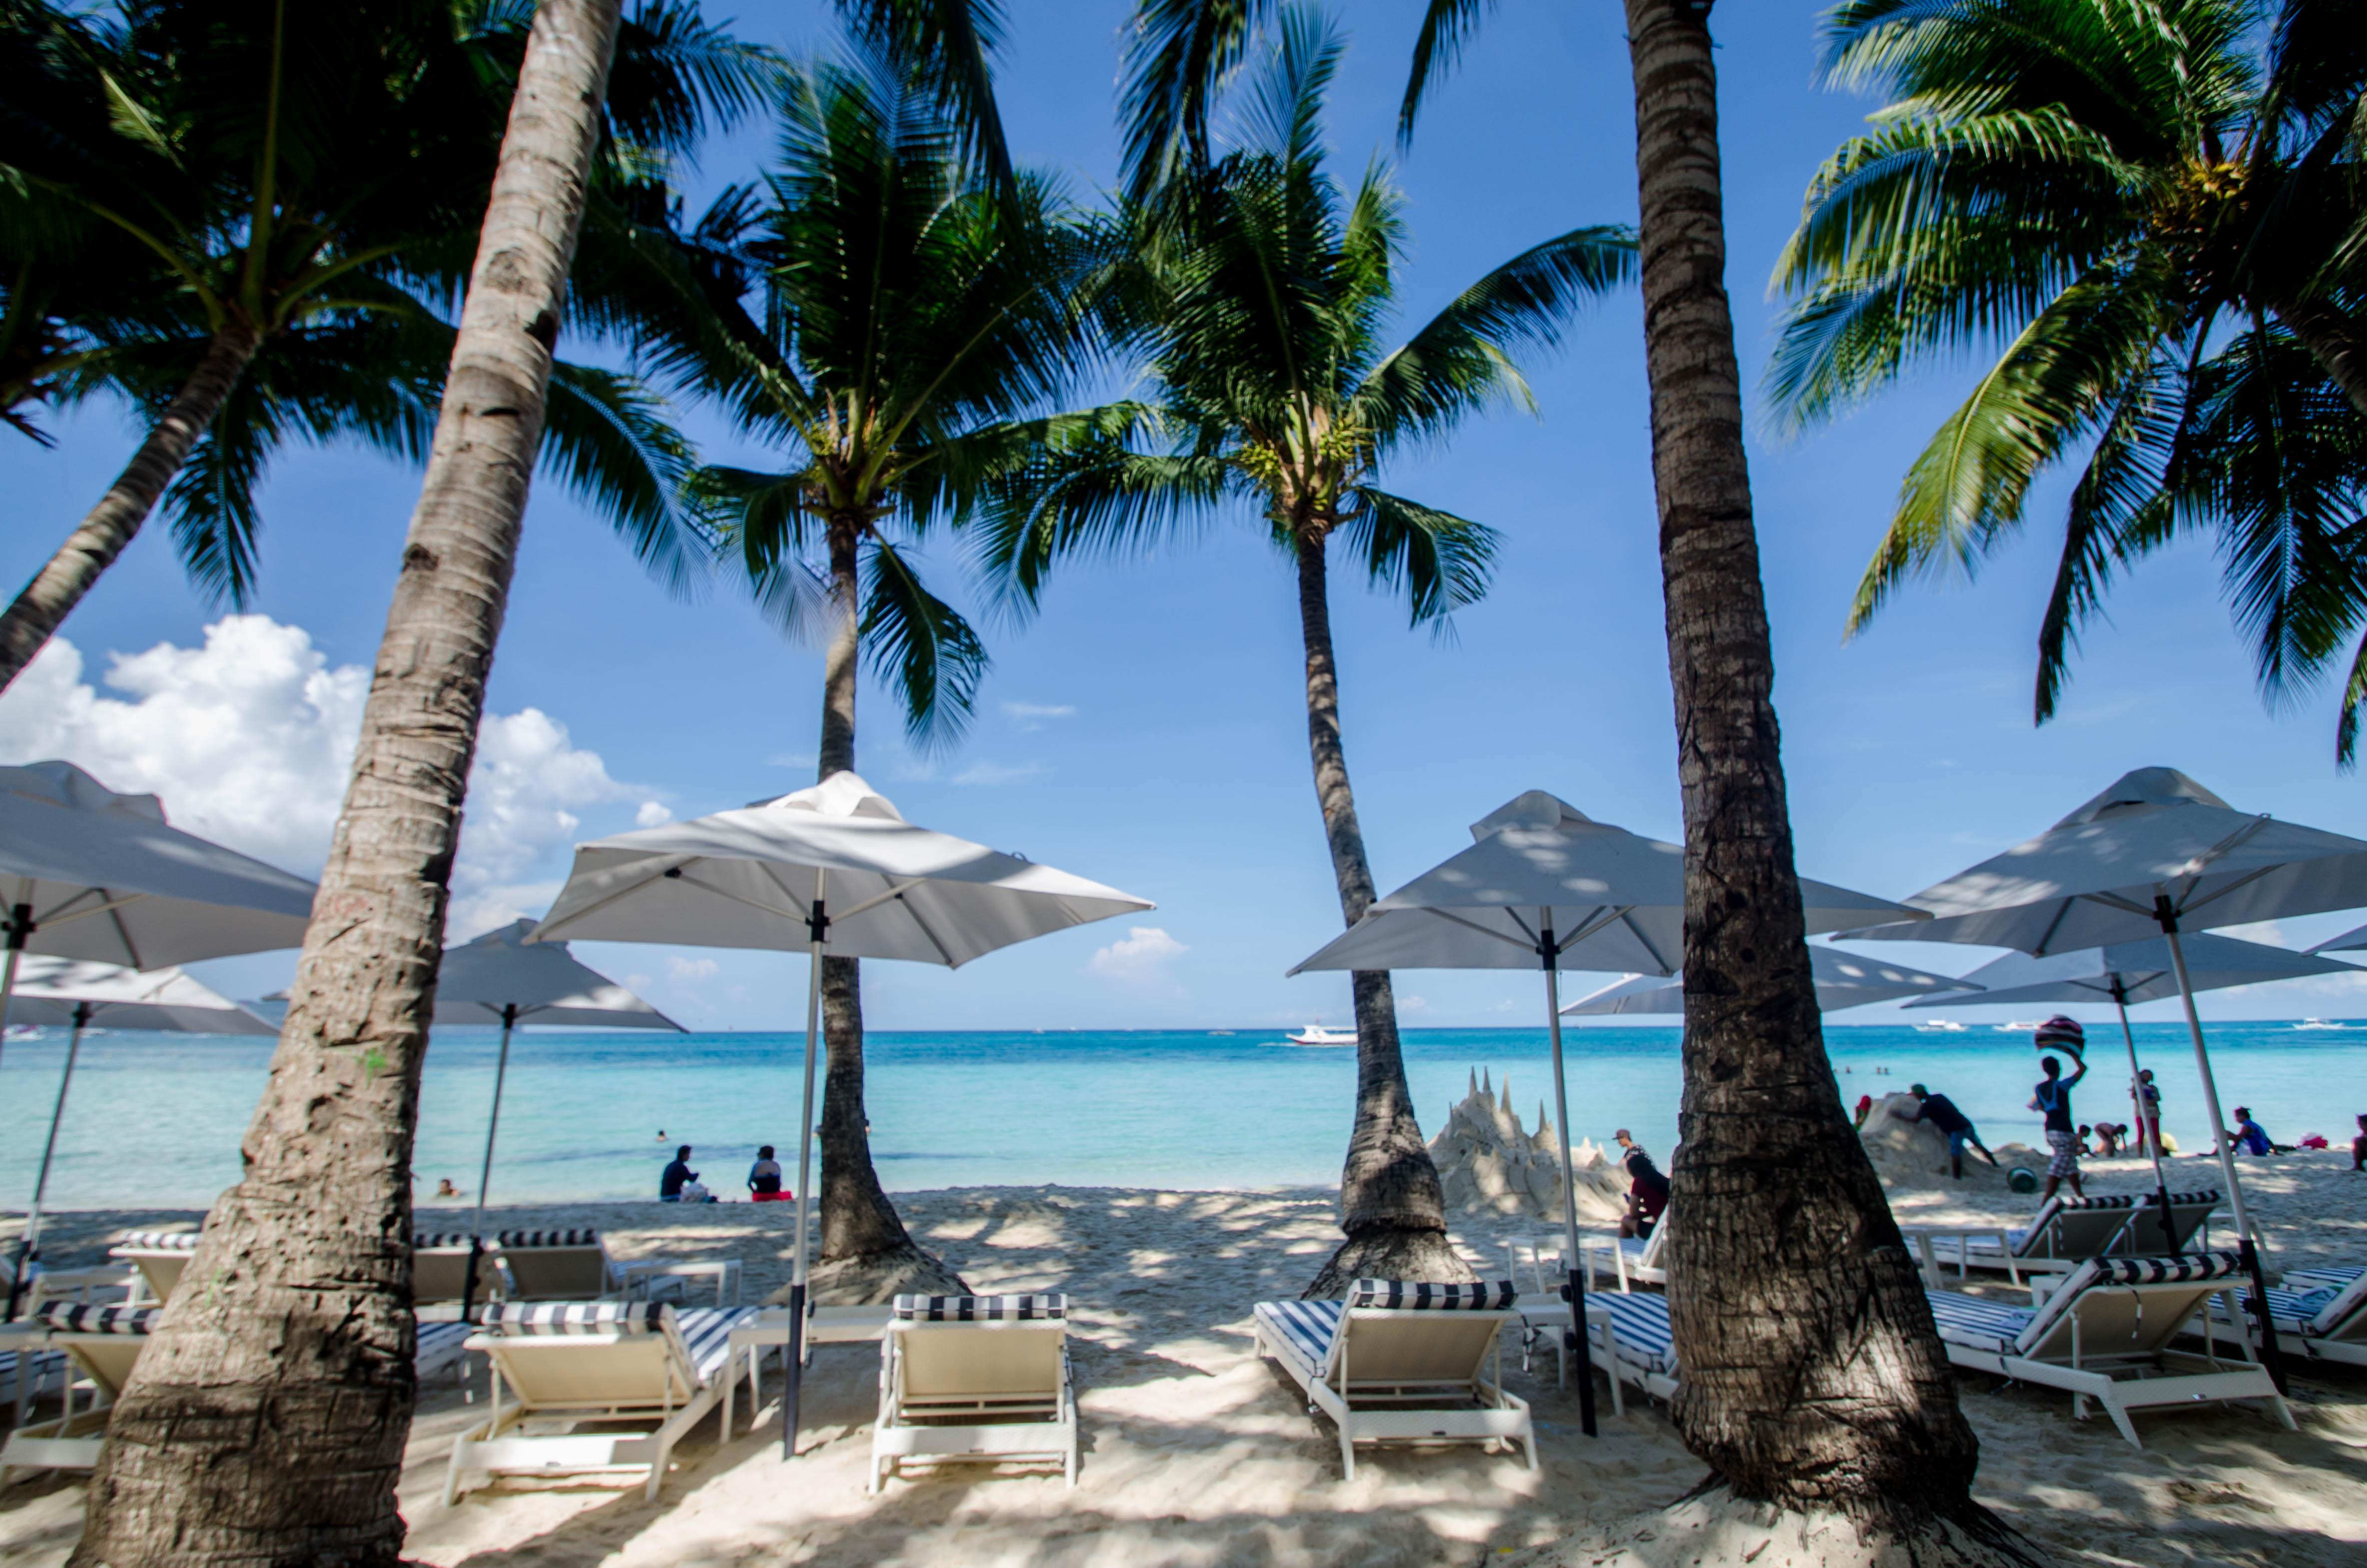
x=1940, y=1026
x=1316, y=1034
x=2319, y=1024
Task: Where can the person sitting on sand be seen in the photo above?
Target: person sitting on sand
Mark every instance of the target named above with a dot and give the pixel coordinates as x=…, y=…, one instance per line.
x=2053, y=1098
x=1647, y=1189
x=2248, y=1137
x=2359, y=1146
x=1942, y=1113
x=677, y=1176
x=765, y=1178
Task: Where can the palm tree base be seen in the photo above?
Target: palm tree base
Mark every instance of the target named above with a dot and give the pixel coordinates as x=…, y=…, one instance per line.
x=870, y=1279
x=1389, y=1252
x=1715, y=1526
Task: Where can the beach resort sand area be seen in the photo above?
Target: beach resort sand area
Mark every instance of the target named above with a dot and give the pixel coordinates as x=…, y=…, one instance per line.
x=1197, y=1454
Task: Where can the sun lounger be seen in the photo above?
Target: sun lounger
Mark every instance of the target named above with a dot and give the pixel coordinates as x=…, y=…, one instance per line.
x=157, y=1258
x=1640, y=1347
x=439, y=1269
x=562, y=1266
x=57, y=1284
x=600, y=1364
x=2104, y=1335
x=2319, y=1312
x=1401, y=1361
x=977, y=1379
x=101, y=1343
x=2066, y=1232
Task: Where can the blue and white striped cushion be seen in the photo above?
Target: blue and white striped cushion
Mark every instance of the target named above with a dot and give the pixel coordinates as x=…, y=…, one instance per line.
x=2292, y=1311
x=44, y=1370
x=439, y=1346
x=549, y=1238
x=707, y=1334
x=1991, y=1326
x=2187, y=1267
x=1640, y=1325
x=980, y=1309
x=91, y=1317
x=1305, y=1328
x=1415, y=1295
x=155, y=1240
x=2322, y=1278
x=435, y=1241
x=577, y=1317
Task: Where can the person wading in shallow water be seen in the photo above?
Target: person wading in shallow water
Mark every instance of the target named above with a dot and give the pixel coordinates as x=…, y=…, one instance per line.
x=2053, y=1098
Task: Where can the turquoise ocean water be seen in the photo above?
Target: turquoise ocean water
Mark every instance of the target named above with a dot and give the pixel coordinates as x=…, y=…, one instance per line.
x=156, y=1119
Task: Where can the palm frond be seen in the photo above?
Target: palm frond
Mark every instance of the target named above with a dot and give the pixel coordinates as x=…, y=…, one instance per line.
x=611, y=440
x=922, y=646
x=1439, y=562
x=947, y=46
x=1178, y=58
x=1446, y=26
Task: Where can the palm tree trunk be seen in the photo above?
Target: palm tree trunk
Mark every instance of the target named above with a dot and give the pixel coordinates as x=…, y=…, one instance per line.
x=866, y=1254
x=2327, y=335
x=1812, y=1376
x=1391, y=1203
x=267, y=1420
x=91, y=548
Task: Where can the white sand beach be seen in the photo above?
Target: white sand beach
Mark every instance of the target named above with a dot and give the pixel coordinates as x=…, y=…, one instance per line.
x=1196, y=1454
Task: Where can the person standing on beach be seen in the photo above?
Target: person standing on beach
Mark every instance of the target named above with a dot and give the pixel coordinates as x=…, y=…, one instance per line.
x=2053, y=1098
x=1942, y=1113
x=2148, y=1115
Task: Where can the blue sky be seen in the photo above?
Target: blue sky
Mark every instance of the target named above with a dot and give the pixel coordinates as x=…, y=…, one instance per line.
x=1148, y=729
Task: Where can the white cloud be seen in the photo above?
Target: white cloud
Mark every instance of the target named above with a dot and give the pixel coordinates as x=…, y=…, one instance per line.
x=1141, y=956
x=684, y=970
x=1412, y=1005
x=1030, y=716
x=652, y=813
x=248, y=740
x=992, y=773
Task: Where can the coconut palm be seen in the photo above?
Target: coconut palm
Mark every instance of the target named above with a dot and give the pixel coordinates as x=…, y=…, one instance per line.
x=269, y=1414
x=1256, y=293
x=2148, y=215
x=252, y=254
x=909, y=311
x=1813, y=1377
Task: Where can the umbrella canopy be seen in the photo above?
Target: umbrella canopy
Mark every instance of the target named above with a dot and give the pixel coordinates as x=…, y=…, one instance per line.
x=1844, y=980
x=2094, y=877
x=75, y=995
x=746, y=879
x=1617, y=901
x=2351, y=941
x=104, y=877
x=481, y=982
x=53, y=991
x=836, y=871
x=2138, y=971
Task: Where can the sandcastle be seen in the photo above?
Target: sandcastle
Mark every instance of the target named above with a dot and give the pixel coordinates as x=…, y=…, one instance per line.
x=1491, y=1165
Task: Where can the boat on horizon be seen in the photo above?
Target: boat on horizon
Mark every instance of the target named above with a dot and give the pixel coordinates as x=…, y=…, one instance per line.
x=1940, y=1026
x=1316, y=1034
x=2319, y=1024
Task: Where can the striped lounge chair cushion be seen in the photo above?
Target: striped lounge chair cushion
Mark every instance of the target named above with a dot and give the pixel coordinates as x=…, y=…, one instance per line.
x=155, y=1240
x=2292, y=1311
x=577, y=1317
x=440, y=1241
x=1993, y=1327
x=91, y=1317
x=440, y=1345
x=1640, y=1326
x=44, y=1372
x=2320, y=1301
x=2322, y=1278
x=980, y=1309
x=1304, y=1330
x=1415, y=1295
x=549, y=1238
x=2193, y=1267
x=707, y=1334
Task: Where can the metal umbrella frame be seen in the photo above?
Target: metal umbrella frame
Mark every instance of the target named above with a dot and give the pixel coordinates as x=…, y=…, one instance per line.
x=64, y=993
x=2155, y=854
x=837, y=871
x=1538, y=866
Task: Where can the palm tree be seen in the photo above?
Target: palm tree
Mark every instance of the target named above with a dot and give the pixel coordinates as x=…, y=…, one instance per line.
x=1813, y=1377
x=253, y=255
x=1257, y=292
x=2150, y=213
x=268, y=1416
x=909, y=311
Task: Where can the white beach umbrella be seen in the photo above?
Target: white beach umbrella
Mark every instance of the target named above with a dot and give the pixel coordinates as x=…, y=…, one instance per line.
x=1543, y=886
x=1842, y=980
x=2156, y=854
x=70, y=994
x=502, y=978
x=86, y=874
x=2351, y=941
x=837, y=871
x=2127, y=973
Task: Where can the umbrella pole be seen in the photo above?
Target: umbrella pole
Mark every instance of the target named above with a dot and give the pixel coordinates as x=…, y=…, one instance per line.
x=485, y=1172
x=19, y=926
x=2137, y=1105
x=29, y=1245
x=1574, y=1340
x=818, y=925
x=2246, y=1248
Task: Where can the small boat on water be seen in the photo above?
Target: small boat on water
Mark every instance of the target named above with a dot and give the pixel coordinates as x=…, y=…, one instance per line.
x=1316, y=1034
x=1940, y=1026
x=2319, y=1024
x=2017, y=1026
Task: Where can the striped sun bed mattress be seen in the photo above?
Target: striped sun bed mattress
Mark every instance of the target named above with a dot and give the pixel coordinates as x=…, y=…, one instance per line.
x=2317, y=1313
